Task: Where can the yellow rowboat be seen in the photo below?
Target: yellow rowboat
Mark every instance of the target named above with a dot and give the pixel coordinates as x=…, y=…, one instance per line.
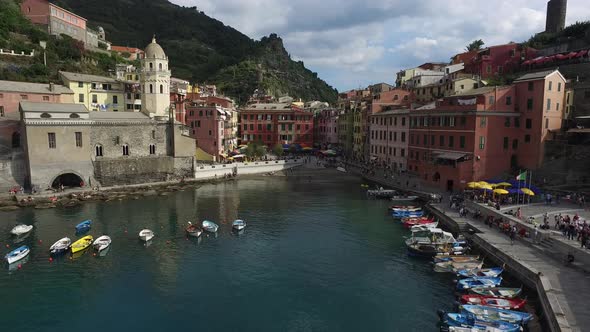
x=82, y=244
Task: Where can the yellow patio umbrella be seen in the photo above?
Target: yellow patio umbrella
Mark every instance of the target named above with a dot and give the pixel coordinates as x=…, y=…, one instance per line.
x=473, y=185
x=503, y=184
x=485, y=186
x=527, y=191
x=501, y=191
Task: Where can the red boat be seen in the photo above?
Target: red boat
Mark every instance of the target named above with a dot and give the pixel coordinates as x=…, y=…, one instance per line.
x=409, y=222
x=508, y=304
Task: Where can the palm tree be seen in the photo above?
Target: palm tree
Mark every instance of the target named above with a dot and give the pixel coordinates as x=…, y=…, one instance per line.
x=475, y=45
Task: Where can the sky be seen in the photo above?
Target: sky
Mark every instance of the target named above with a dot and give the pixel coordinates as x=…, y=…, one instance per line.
x=354, y=43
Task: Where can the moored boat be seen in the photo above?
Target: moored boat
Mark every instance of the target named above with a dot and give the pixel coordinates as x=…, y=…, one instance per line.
x=456, y=258
x=403, y=207
x=500, y=292
x=146, y=234
x=21, y=229
x=409, y=222
x=17, y=254
x=478, y=282
x=423, y=227
x=430, y=242
x=60, y=246
x=404, y=198
x=496, y=302
x=238, y=224
x=490, y=314
x=210, y=226
x=470, y=321
x=451, y=266
x=84, y=226
x=381, y=193
x=82, y=243
x=478, y=272
x=193, y=230
x=102, y=243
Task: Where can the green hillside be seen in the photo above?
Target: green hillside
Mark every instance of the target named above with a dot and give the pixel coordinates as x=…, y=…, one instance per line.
x=202, y=49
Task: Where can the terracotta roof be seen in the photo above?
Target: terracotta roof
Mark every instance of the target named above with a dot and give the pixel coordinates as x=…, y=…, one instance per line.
x=26, y=87
x=126, y=49
x=535, y=76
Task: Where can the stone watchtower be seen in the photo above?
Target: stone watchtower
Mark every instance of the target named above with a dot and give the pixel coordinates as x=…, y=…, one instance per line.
x=556, y=12
x=155, y=82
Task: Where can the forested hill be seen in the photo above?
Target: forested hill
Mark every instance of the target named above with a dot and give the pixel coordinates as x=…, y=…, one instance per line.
x=202, y=49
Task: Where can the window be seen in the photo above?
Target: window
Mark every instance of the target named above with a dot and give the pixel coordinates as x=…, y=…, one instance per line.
x=432, y=139
x=125, y=149
x=531, y=86
x=151, y=88
x=24, y=97
x=483, y=122
x=403, y=137
x=80, y=84
x=441, y=140
x=2, y=111
x=251, y=126
x=45, y=98
x=516, y=122
x=463, y=121
x=548, y=104
x=557, y=106
x=404, y=119
x=160, y=67
x=15, y=140
x=94, y=99
x=152, y=149
x=151, y=66
x=509, y=100
x=546, y=123
x=45, y=115
x=491, y=100
x=514, y=144
x=462, y=142
x=269, y=127
x=259, y=126
x=451, y=141
x=550, y=86
x=425, y=141
x=81, y=98
x=505, y=143
x=51, y=140
x=198, y=124
x=500, y=69
x=115, y=100
x=489, y=69
x=78, y=136
x=451, y=121
x=529, y=104
x=527, y=138
x=507, y=122
x=558, y=86
x=161, y=88
x=529, y=123
x=403, y=152
x=482, y=142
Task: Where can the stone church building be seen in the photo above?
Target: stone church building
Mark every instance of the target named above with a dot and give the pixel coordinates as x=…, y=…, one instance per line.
x=66, y=144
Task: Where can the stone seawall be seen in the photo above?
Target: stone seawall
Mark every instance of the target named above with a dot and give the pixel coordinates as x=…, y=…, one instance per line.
x=257, y=167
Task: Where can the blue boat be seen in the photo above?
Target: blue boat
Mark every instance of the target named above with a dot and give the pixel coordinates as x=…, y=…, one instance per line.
x=470, y=321
x=401, y=215
x=491, y=314
x=478, y=282
x=17, y=254
x=84, y=226
x=470, y=273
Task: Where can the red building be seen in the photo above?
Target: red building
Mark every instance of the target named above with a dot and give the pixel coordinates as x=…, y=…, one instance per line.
x=274, y=124
x=495, y=60
x=487, y=132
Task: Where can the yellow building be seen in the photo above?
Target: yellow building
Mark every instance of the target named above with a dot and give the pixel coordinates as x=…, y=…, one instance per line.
x=97, y=93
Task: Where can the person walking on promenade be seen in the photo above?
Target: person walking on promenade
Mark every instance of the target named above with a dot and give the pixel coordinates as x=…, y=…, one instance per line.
x=512, y=235
x=536, y=235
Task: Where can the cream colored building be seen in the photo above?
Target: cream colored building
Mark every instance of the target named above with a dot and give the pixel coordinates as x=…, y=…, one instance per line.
x=155, y=82
x=97, y=93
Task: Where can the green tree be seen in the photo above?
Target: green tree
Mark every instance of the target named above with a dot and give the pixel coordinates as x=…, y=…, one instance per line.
x=278, y=149
x=255, y=150
x=475, y=45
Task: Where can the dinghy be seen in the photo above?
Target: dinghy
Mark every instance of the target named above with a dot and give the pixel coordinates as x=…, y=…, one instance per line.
x=423, y=227
x=496, y=302
x=84, y=226
x=17, y=254
x=61, y=246
x=193, y=230
x=470, y=321
x=21, y=229
x=82, y=244
x=101, y=243
x=451, y=266
x=478, y=282
x=492, y=272
x=210, y=226
x=501, y=292
x=456, y=258
x=491, y=314
x=146, y=234
x=238, y=224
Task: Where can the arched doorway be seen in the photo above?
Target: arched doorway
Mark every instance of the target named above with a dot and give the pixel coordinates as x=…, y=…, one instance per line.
x=68, y=180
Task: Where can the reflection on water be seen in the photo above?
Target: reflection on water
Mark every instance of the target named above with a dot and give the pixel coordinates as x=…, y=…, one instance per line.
x=18, y=264
x=21, y=238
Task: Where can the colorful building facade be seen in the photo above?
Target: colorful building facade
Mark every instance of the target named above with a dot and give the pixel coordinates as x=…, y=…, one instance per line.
x=97, y=93
x=388, y=138
x=326, y=128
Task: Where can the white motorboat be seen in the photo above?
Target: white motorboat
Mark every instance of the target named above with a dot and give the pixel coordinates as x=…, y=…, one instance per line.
x=101, y=243
x=210, y=226
x=21, y=229
x=17, y=254
x=61, y=246
x=146, y=235
x=423, y=227
x=239, y=224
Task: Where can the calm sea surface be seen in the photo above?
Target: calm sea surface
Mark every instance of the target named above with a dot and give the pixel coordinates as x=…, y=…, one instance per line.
x=315, y=256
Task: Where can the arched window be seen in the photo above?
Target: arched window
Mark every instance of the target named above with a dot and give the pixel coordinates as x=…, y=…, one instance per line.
x=74, y=116
x=161, y=88
x=16, y=139
x=151, y=88
x=151, y=66
x=152, y=149
x=160, y=66
x=125, y=149
x=45, y=115
x=98, y=150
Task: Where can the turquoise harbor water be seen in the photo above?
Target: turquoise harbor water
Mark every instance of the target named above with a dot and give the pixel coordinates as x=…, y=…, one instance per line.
x=315, y=256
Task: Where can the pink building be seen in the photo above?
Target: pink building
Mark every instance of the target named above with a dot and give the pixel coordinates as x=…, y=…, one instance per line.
x=11, y=94
x=495, y=60
x=388, y=138
x=55, y=19
x=206, y=126
x=326, y=128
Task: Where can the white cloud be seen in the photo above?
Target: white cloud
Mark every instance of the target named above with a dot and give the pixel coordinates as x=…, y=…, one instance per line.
x=353, y=41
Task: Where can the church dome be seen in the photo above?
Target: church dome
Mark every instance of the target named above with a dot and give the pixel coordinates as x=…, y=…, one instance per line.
x=154, y=50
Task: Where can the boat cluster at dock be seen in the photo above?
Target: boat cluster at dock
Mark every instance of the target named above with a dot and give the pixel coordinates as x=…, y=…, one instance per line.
x=100, y=244
x=484, y=305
